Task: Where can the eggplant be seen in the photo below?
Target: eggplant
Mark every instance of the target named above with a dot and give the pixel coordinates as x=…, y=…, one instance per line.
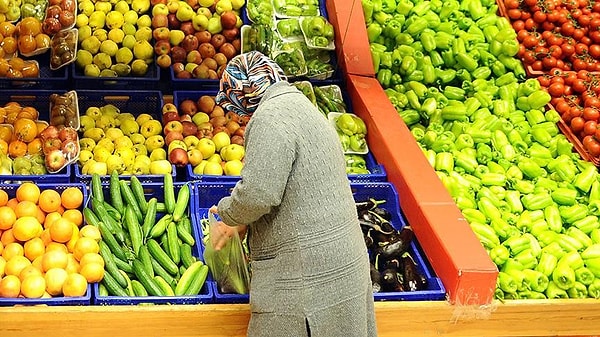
x=390, y=264
x=392, y=280
x=397, y=245
x=413, y=279
x=375, y=279
x=369, y=240
x=383, y=213
x=367, y=205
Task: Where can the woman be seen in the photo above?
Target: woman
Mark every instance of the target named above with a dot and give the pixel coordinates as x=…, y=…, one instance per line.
x=310, y=269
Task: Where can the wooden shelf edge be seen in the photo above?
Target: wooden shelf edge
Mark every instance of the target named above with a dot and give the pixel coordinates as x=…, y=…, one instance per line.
x=428, y=318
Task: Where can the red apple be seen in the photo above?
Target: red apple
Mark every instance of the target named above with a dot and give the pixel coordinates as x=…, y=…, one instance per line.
x=50, y=145
x=203, y=36
x=178, y=157
x=184, y=74
x=162, y=47
x=173, y=135
x=188, y=107
x=156, y=2
x=240, y=131
x=169, y=107
x=237, y=44
x=163, y=61
x=66, y=18
x=160, y=20
x=173, y=126
x=189, y=128
x=70, y=148
x=185, y=118
x=189, y=43
x=228, y=19
x=217, y=40
x=194, y=56
x=178, y=67
x=187, y=27
x=228, y=49
x=67, y=133
x=51, y=26
x=49, y=132
x=231, y=34
x=170, y=116
x=237, y=139
x=178, y=54
x=173, y=21
x=207, y=50
x=161, y=33
x=55, y=160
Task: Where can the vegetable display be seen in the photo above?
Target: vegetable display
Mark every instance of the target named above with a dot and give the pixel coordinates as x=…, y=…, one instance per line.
x=450, y=70
x=146, y=244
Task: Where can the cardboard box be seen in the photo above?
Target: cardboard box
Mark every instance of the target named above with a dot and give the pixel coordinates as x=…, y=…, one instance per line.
x=454, y=251
x=351, y=41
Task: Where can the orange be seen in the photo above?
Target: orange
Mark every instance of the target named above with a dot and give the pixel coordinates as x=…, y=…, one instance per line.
x=42, y=41
x=37, y=263
x=16, y=264
x=29, y=112
x=3, y=147
x=91, y=258
x=61, y=230
x=34, y=248
x=56, y=246
x=72, y=264
x=7, y=217
x=28, y=271
x=27, y=228
x=41, y=126
x=10, y=286
x=50, y=218
x=75, y=285
x=28, y=191
x=49, y=201
x=85, y=245
x=5, y=133
x=54, y=259
x=7, y=237
x=33, y=286
x=26, y=208
x=11, y=250
x=2, y=265
x=3, y=197
x=40, y=216
x=12, y=203
x=45, y=236
x=1, y=248
x=74, y=215
x=25, y=128
x=74, y=237
x=72, y=197
x=93, y=272
x=55, y=278
x=89, y=231
x=34, y=147
x=17, y=148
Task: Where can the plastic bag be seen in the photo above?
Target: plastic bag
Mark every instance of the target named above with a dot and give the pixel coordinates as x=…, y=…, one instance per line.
x=228, y=265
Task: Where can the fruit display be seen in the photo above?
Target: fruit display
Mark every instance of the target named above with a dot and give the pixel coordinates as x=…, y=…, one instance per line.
x=351, y=130
x=34, y=8
x=47, y=250
x=60, y=15
x=290, y=8
x=198, y=132
x=17, y=67
x=318, y=32
x=260, y=12
x=115, y=140
x=63, y=48
x=147, y=252
x=10, y=10
x=31, y=39
x=490, y=136
x=196, y=40
x=114, y=39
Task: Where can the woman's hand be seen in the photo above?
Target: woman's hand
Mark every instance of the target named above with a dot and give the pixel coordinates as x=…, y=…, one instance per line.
x=220, y=234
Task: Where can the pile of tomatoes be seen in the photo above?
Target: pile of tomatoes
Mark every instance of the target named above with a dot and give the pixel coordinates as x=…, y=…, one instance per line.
x=576, y=97
x=562, y=34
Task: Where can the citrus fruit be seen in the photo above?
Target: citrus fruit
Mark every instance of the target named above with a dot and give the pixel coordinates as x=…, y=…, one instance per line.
x=26, y=208
x=16, y=264
x=24, y=128
x=57, y=246
x=34, y=248
x=93, y=272
x=72, y=264
x=74, y=215
x=2, y=265
x=12, y=249
x=7, y=237
x=91, y=258
x=74, y=237
x=17, y=148
x=10, y=286
x=12, y=203
x=72, y=197
x=28, y=271
x=27, y=228
x=50, y=218
x=49, y=201
x=3, y=197
x=85, y=245
x=61, y=230
x=75, y=285
x=89, y=231
x=55, y=278
x=7, y=217
x=28, y=191
x=33, y=286
x=41, y=216
x=54, y=259
x=37, y=262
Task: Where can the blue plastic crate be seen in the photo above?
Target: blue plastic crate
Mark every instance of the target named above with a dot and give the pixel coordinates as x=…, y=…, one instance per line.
x=206, y=293
x=378, y=173
x=40, y=100
x=210, y=193
x=11, y=190
x=48, y=79
x=148, y=82
x=134, y=102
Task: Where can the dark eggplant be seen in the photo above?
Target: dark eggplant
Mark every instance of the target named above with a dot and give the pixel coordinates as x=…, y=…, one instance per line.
x=367, y=205
x=369, y=240
x=375, y=279
x=413, y=279
x=390, y=264
x=383, y=213
x=398, y=244
x=392, y=280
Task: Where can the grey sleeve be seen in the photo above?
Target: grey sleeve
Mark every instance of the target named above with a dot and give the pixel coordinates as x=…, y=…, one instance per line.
x=270, y=154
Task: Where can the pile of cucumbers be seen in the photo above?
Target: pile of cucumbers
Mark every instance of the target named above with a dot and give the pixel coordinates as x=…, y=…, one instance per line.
x=146, y=243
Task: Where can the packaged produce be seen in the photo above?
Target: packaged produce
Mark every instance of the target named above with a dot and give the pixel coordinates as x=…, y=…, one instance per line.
x=59, y=16
x=291, y=61
x=351, y=130
x=295, y=8
x=34, y=8
x=260, y=12
x=31, y=40
x=63, y=48
x=318, y=32
x=289, y=29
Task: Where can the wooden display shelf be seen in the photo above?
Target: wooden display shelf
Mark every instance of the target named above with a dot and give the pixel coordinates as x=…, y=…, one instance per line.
x=512, y=318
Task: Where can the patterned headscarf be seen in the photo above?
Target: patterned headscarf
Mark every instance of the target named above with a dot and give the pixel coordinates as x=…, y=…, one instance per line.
x=245, y=80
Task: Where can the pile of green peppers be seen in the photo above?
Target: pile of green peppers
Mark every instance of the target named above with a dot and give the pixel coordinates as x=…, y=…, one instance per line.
x=448, y=67
x=260, y=12
x=296, y=7
x=318, y=31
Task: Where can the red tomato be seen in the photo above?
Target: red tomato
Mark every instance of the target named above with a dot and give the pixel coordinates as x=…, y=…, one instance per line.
x=556, y=89
x=549, y=62
x=567, y=49
x=594, y=36
x=544, y=80
x=562, y=106
x=577, y=124
x=537, y=65
x=584, y=20
x=597, y=134
x=592, y=102
x=576, y=111
x=579, y=64
x=581, y=49
x=594, y=24
x=578, y=34
x=530, y=24
x=547, y=25
x=530, y=41
x=567, y=29
x=589, y=128
x=585, y=39
x=593, y=147
x=511, y=4
x=579, y=86
x=514, y=13
x=539, y=17
x=591, y=114
x=594, y=51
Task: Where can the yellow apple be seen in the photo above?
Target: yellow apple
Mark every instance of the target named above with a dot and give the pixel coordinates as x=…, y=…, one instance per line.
x=123, y=141
x=101, y=154
x=233, y=152
x=158, y=154
x=142, y=118
x=194, y=156
x=213, y=168
x=113, y=133
x=162, y=166
x=191, y=141
x=233, y=167
x=87, y=144
x=154, y=142
x=129, y=127
x=199, y=169
x=99, y=168
x=207, y=147
x=137, y=138
x=215, y=158
x=127, y=154
x=106, y=143
x=176, y=144
x=221, y=139
x=85, y=156
x=150, y=128
x=115, y=163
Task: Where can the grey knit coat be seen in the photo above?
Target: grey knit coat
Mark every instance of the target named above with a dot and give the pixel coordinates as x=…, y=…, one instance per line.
x=310, y=268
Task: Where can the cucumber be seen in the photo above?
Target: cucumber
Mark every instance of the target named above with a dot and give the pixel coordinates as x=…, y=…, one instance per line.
x=146, y=280
x=112, y=211
x=184, y=233
x=161, y=256
x=90, y=217
x=160, y=226
x=196, y=285
x=146, y=259
x=111, y=242
x=166, y=288
x=183, y=199
x=190, y=279
x=123, y=265
x=138, y=288
x=129, y=288
x=159, y=270
x=149, y=218
x=186, y=255
x=134, y=229
x=112, y=286
x=96, y=187
x=130, y=199
x=172, y=239
x=103, y=215
x=138, y=193
x=160, y=207
x=110, y=265
x=169, y=193
x=115, y=192
x=102, y=291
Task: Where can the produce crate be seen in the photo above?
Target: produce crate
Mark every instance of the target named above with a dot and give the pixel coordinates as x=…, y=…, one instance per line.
x=148, y=82
x=209, y=194
x=48, y=79
x=206, y=294
x=40, y=100
x=11, y=190
x=134, y=102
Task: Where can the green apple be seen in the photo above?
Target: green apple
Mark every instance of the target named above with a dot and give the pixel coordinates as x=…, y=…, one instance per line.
x=124, y=116
x=123, y=141
x=207, y=147
x=162, y=166
x=105, y=122
x=154, y=142
x=200, y=117
x=86, y=122
x=139, y=67
x=113, y=133
x=137, y=138
x=140, y=149
x=237, y=4
x=94, y=133
x=84, y=156
x=121, y=6
x=206, y=3
x=191, y=141
x=158, y=154
x=150, y=128
x=93, y=112
x=87, y=144
x=130, y=17
x=129, y=127
x=127, y=154
x=160, y=8
x=83, y=33
x=110, y=110
x=91, y=44
x=233, y=152
x=199, y=169
x=124, y=55
x=233, y=168
x=214, y=25
x=109, y=47
x=98, y=167
x=204, y=11
x=91, y=70
x=221, y=139
x=223, y=6
x=101, y=154
x=212, y=168
x=107, y=144
x=129, y=28
x=176, y=36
